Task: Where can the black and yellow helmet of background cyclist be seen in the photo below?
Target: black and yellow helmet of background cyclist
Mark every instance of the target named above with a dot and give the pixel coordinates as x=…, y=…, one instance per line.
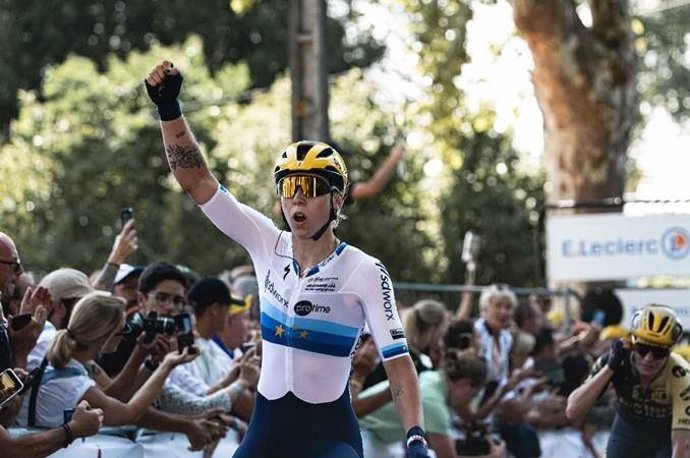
x=656, y=324
x=312, y=157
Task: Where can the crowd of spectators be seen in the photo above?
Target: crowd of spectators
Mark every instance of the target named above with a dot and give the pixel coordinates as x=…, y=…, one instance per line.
x=136, y=351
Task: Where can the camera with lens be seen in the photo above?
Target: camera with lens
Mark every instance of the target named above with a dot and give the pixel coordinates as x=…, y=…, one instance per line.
x=476, y=442
x=151, y=325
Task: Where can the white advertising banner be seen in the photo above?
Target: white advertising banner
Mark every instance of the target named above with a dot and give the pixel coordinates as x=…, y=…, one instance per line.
x=615, y=246
x=635, y=299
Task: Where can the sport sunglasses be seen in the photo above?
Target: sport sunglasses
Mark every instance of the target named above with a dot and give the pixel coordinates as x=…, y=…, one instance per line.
x=311, y=186
x=657, y=352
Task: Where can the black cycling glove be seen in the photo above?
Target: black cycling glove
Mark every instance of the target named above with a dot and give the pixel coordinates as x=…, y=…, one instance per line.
x=616, y=355
x=165, y=96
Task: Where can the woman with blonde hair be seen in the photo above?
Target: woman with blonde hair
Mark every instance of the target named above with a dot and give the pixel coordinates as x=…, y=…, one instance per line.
x=424, y=324
x=96, y=326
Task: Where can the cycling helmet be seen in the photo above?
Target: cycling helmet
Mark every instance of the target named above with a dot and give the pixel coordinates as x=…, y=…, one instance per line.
x=656, y=324
x=312, y=157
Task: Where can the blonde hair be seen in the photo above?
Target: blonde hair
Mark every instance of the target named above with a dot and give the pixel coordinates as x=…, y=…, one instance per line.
x=96, y=315
x=424, y=315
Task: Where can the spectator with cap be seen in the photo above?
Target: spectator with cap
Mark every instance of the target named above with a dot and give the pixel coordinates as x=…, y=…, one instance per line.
x=66, y=286
x=236, y=331
x=126, y=286
x=212, y=303
x=213, y=307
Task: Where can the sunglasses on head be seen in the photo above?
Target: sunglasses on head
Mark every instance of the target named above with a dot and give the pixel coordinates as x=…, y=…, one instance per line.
x=657, y=352
x=311, y=186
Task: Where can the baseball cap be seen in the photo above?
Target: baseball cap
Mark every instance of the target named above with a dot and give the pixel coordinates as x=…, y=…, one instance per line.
x=125, y=271
x=207, y=291
x=66, y=283
x=239, y=305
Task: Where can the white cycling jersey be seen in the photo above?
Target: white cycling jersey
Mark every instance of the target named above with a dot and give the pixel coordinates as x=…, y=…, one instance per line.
x=310, y=324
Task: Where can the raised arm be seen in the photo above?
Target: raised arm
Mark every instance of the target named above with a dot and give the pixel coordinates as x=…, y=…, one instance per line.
x=374, y=185
x=584, y=397
x=181, y=148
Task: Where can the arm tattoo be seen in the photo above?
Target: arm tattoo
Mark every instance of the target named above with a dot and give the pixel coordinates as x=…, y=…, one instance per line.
x=397, y=391
x=185, y=157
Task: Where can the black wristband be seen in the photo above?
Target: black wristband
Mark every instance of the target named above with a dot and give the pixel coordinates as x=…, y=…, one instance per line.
x=169, y=110
x=68, y=435
x=416, y=434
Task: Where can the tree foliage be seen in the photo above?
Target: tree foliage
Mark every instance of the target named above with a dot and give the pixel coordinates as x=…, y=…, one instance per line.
x=92, y=145
x=39, y=33
x=665, y=68
x=483, y=187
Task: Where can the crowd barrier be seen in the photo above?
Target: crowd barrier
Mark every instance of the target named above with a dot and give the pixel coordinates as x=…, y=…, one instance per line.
x=563, y=443
x=114, y=443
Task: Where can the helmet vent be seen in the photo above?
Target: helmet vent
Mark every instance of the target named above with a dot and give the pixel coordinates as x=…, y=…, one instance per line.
x=326, y=152
x=302, y=150
x=663, y=324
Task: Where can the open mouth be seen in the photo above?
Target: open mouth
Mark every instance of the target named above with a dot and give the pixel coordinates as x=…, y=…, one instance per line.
x=299, y=217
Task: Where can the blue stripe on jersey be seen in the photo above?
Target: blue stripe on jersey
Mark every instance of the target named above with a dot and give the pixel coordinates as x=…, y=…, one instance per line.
x=326, y=327
x=278, y=332
x=394, y=349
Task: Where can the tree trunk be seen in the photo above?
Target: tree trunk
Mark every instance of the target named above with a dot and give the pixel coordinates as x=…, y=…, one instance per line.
x=584, y=80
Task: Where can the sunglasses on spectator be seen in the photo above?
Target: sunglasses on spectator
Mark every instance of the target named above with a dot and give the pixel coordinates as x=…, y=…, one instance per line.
x=15, y=263
x=311, y=186
x=165, y=298
x=657, y=352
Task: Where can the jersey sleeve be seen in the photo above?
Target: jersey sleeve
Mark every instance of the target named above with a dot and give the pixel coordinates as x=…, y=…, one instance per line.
x=246, y=226
x=679, y=380
x=378, y=302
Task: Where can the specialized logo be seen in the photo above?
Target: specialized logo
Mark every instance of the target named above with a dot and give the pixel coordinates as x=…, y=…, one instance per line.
x=304, y=308
x=675, y=243
x=386, y=292
x=398, y=333
x=287, y=271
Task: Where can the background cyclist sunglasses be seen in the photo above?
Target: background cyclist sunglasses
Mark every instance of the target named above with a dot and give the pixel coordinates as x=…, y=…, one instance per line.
x=311, y=186
x=657, y=352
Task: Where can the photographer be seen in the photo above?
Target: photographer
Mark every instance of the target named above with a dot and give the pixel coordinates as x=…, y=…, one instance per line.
x=96, y=326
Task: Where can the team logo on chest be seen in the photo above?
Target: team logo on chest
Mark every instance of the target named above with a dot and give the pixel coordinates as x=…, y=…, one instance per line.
x=304, y=308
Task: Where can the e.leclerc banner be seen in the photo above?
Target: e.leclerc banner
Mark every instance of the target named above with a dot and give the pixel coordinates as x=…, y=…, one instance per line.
x=615, y=246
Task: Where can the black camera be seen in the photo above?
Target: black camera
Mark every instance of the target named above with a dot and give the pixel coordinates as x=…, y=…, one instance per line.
x=476, y=442
x=185, y=334
x=151, y=325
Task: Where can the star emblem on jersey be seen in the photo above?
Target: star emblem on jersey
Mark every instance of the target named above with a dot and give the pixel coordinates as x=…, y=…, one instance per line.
x=280, y=330
x=303, y=334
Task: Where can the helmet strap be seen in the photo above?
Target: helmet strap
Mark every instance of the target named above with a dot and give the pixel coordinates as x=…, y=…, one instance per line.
x=331, y=217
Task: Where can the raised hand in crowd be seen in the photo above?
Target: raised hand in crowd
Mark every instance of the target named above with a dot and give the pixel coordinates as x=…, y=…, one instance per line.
x=24, y=339
x=34, y=298
x=126, y=243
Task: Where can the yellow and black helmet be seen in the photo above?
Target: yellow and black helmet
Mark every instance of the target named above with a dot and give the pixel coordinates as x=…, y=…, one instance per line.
x=656, y=324
x=312, y=157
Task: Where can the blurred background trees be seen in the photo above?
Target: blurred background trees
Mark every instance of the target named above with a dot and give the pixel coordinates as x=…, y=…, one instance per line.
x=84, y=140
